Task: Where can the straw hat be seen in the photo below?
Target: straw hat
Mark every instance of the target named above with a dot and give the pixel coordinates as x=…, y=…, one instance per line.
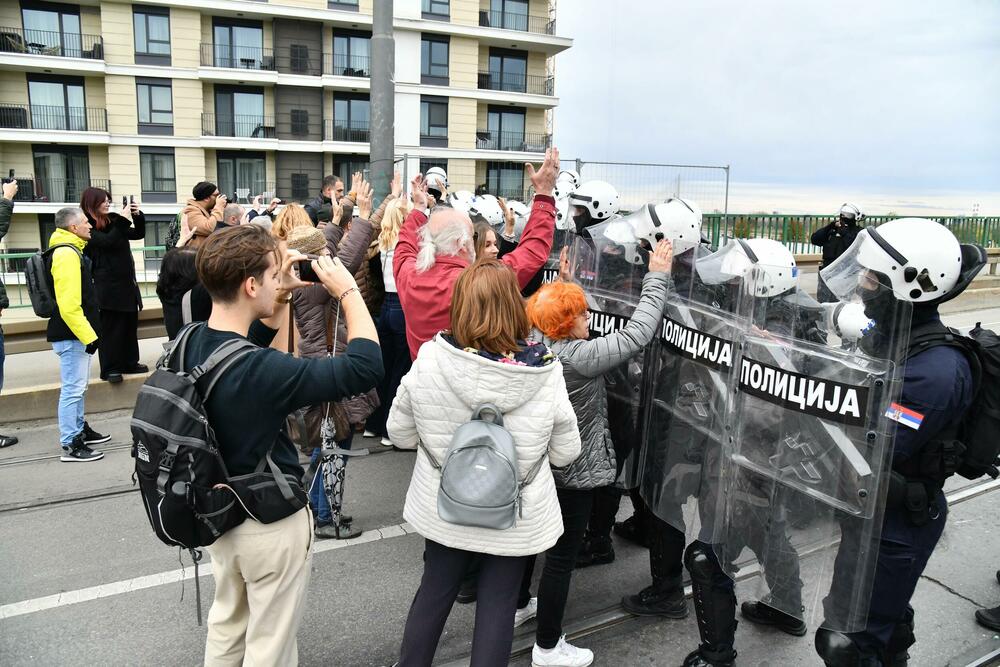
x=307, y=240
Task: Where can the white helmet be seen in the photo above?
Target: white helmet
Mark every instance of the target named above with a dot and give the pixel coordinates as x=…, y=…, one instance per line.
x=920, y=258
x=599, y=198
x=487, y=207
x=436, y=179
x=767, y=266
x=677, y=220
x=567, y=181
x=461, y=200
x=563, y=219
x=521, y=213
x=852, y=212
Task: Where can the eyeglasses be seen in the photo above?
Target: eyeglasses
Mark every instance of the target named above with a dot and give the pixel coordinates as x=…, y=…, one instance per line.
x=215, y=194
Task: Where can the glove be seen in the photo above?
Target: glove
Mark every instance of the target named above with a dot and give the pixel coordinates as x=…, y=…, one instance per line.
x=92, y=347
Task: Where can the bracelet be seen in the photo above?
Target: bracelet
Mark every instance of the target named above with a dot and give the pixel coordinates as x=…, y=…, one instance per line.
x=287, y=299
x=348, y=291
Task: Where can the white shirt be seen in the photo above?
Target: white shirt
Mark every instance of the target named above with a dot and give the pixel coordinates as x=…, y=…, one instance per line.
x=388, y=279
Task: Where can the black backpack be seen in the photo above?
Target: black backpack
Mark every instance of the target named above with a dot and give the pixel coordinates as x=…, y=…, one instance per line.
x=189, y=496
x=974, y=449
x=38, y=278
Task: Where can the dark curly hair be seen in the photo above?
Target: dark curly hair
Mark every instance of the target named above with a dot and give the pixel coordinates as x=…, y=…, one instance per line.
x=178, y=274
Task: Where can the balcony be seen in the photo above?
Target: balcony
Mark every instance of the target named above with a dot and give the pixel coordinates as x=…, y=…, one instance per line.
x=515, y=21
x=237, y=57
x=339, y=64
x=56, y=190
x=297, y=59
x=356, y=131
x=526, y=142
x=49, y=43
x=250, y=126
x=517, y=83
x=41, y=117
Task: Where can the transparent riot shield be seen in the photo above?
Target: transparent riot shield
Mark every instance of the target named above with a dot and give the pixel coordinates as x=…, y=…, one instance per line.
x=806, y=464
x=564, y=236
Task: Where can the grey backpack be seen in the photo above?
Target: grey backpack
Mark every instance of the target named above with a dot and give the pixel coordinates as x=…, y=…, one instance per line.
x=479, y=480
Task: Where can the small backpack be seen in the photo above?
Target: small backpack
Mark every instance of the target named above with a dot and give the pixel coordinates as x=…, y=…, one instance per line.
x=479, y=478
x=38, y=277
x=975, y=447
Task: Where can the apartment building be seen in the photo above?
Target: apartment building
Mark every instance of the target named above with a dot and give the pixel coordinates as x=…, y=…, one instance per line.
x=260, y=97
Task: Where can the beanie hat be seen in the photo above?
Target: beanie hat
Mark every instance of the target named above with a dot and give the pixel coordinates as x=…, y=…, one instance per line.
x=307, y=240
x=203, y=190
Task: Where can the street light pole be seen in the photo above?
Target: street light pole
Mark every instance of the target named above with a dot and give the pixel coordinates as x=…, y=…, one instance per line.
x=382, y=136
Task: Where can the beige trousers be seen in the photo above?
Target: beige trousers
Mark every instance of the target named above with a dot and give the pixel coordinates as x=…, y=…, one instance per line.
x=261, y=575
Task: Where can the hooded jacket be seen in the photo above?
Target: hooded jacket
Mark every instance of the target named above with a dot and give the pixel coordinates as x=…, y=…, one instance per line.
x=584, y=364
x=439, y=394
x=77, y=316
x=197, y=222
x=426, y=296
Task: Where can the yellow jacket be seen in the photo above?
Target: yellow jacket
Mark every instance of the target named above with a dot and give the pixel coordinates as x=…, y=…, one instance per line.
x=68, y=285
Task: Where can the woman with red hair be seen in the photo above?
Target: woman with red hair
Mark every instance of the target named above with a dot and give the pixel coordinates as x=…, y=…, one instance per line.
x=114, y=278
x=559, y=311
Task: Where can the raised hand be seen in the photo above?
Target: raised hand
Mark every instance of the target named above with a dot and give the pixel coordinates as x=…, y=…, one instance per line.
x=661, y=257
x=356, y=179
x=418, y=192
x=396, y=184
x=544, y=179
x=334, y=275
x=363, y=197
x=565, y=273
x=508, y=217
x=10, y=190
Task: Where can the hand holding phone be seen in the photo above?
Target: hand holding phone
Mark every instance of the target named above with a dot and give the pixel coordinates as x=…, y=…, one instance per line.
x=306, y=271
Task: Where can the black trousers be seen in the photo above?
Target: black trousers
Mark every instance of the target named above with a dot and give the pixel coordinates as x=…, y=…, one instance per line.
x=499, y=582
x=666, y=552
x=553, y=588
x=118, y=350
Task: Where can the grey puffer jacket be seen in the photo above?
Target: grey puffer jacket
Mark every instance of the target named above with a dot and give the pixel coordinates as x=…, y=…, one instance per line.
x=584, y=364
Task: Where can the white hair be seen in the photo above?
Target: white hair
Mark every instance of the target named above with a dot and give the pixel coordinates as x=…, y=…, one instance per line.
x=450, y=239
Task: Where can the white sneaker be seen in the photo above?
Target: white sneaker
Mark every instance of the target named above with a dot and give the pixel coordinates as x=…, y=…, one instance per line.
x=386, y=442
x=522, y=616
x=368, y=434
x=563, y=654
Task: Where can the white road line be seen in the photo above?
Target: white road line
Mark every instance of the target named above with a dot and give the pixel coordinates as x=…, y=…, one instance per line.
x=173, y=576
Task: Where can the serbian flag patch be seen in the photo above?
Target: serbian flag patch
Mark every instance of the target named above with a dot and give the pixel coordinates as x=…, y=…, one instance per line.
x=904, y=416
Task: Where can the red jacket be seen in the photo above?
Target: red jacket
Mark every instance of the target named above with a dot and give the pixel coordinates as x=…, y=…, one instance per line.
x=426, y=297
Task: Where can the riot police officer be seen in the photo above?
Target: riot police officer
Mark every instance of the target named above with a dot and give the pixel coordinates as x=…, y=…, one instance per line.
x=835, y=238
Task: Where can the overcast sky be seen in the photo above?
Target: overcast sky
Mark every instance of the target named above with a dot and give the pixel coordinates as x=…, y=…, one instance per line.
x=895, y=102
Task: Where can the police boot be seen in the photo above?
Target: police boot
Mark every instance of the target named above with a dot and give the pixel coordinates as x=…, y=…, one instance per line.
x=989, y=618
x=902, y=638
x=763, y=614
x=715, y=605
x=837, y=650
x=665, y=598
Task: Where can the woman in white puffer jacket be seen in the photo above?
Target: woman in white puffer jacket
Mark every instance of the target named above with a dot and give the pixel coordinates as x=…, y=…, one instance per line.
x=484, y=359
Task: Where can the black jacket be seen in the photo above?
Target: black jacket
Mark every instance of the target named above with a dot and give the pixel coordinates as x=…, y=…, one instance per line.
x=314, y=205
x=113, y=265
x=6, y=211
x=835, y=241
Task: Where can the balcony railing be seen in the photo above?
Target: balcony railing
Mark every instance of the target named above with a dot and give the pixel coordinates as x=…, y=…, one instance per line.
x=43, y=117
x=517, y=83
x=530, y=142
x=340, y=131
x=237, y=57
x=341, y=64
x=298, y=59
x=516, y=21
x=244, y=190
x=55, y=190
x=253, y=126
x=50, y=43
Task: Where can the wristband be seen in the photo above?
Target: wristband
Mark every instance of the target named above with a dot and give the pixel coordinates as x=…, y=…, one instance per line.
x=287, y=299
x=348, y=291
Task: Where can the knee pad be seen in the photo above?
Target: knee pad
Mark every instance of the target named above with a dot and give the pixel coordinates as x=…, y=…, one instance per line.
x=701, y=562
x=837, y=650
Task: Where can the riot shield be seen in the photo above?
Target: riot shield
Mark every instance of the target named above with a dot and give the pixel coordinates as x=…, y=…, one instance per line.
x=564, y=236
x=806, y=464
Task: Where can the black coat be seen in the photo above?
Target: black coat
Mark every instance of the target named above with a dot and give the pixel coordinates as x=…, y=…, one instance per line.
x=835, y=240
x=113, y=265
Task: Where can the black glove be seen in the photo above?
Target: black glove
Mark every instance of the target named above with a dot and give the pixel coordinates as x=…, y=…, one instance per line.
x=92, y=347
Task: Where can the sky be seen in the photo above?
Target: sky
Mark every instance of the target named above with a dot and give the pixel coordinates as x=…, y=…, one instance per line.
x=894, y=104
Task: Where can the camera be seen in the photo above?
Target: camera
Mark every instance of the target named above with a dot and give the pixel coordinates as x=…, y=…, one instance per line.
x=10, y=177
x=306, y=272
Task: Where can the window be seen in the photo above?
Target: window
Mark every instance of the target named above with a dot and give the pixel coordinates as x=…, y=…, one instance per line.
x=508, y=71
x=300, y=122
x=346, y=5
x=151, y=26
x=46, y=227
x=505, y=179
x=299, y=58
x=62, y=173
x=57, y=103
x=239, y=112
x=438, y=10
x=156, y=172
x=505, y=129
x=240, y=45
x=345, y=167
x=242, y=175
x=156, y=234
x=53, y=30
x=351, y=53
x=509, y=14
x=350, y=118
x=300, y=187
x=156, y=107
x=433, y=121
x=434, y=60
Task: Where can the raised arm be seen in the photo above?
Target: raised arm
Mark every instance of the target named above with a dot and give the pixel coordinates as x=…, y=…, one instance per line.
x=536, y=241
x=404, y=259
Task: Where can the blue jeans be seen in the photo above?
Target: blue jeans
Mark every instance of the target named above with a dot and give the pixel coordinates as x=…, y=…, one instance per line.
x=317, y=495
x=1, y=358
x=395, y=359
x=74, y=373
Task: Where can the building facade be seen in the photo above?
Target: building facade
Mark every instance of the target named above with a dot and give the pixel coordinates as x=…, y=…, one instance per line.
x=261, y=98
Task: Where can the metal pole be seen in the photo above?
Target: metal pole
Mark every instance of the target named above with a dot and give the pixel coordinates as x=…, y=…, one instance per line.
x=382, y=99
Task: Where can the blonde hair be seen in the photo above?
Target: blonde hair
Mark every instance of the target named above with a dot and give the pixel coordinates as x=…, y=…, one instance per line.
x=291, y=216
x=392, y=221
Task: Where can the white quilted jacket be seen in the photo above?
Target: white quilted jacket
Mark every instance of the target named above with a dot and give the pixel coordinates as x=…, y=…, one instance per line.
x=439, y=394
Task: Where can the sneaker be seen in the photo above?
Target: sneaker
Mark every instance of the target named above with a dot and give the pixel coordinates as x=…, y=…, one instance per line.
x=522, y=616
x=762, y=614
x=112, y=378
x=386, y=442
x=7, y=441
x=368, y=434
x=79, y=452
x=92, y=437
x=562, y=654
x=657, y=601
x=596, y=552
x=332, y=532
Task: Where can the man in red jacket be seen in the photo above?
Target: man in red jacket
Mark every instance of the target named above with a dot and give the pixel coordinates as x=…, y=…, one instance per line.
x=429, y=257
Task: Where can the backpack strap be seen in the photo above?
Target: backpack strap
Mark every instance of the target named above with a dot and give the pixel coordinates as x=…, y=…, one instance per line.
x=477, y=414
x=55, y=247
x=179, y=346
x=434, y=461
x=279, y=477
x=220, y=361
x=533, y=471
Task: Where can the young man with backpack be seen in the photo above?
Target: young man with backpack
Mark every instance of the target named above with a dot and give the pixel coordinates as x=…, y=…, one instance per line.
x=73, y=330
x=261, y=564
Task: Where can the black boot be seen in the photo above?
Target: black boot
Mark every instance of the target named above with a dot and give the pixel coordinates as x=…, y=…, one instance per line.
x=763, y=614
x=715, y=605
x=631, y=529
x=657, y=600
x=596, y=551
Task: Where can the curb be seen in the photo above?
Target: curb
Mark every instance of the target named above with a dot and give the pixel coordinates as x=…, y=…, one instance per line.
x=40, y=402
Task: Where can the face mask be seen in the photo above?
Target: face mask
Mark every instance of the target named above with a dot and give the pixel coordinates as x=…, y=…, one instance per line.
x=881, y=305
x=582, y=221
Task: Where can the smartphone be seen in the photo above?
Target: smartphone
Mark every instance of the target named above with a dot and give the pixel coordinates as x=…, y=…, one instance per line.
x=10, y=177
x=124, y=202
x=131, y=199
x=306, y=272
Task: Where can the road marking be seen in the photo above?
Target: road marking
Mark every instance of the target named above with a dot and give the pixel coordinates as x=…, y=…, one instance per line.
x=173, y=576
